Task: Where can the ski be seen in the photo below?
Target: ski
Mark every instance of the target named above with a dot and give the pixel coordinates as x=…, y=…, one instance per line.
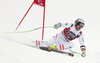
x=46, y=49
x=66, y=53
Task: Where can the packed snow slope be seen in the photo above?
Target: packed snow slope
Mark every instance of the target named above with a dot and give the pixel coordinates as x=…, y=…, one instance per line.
x=12, y=48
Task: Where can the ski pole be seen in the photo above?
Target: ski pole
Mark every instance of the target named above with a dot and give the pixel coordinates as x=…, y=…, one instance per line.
x=30, y=30
x=75, y=52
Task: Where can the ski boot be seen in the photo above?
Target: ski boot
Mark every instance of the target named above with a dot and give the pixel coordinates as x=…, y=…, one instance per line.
x=54, y=47
x=50, y=48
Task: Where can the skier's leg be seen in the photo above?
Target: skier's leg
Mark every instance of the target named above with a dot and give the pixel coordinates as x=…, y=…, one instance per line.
x=63, y=47
x=51, y=41
x=42, y=43
x=66, y=48
x=57, y=39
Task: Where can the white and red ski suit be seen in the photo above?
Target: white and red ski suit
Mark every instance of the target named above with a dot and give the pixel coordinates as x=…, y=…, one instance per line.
x=62, y=39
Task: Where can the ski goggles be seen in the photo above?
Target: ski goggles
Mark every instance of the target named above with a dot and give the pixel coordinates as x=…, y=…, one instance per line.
x=81, y=25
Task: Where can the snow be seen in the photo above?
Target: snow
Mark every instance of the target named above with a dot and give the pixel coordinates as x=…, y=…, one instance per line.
x=12, y=48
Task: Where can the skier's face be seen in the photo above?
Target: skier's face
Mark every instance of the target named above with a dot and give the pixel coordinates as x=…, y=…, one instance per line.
x=78, y=27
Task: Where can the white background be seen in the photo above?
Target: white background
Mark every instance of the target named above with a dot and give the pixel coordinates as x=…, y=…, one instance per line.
x=12, y=11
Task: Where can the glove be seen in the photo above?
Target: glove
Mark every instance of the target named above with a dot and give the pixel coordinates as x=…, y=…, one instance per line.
x=83, y=53
x=56, y=26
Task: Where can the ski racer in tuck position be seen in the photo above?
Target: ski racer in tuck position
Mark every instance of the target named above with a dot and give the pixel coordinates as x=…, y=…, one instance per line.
x=61, y=41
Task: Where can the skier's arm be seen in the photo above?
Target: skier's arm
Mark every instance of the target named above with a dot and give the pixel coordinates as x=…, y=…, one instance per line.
x=82, y=45
x=58, y=25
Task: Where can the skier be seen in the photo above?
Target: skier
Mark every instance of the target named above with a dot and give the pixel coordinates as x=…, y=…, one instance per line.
x=61, y=41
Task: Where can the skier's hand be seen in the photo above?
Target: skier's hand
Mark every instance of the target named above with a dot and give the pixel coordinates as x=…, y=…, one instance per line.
x=83, y=53
x=56, y=26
